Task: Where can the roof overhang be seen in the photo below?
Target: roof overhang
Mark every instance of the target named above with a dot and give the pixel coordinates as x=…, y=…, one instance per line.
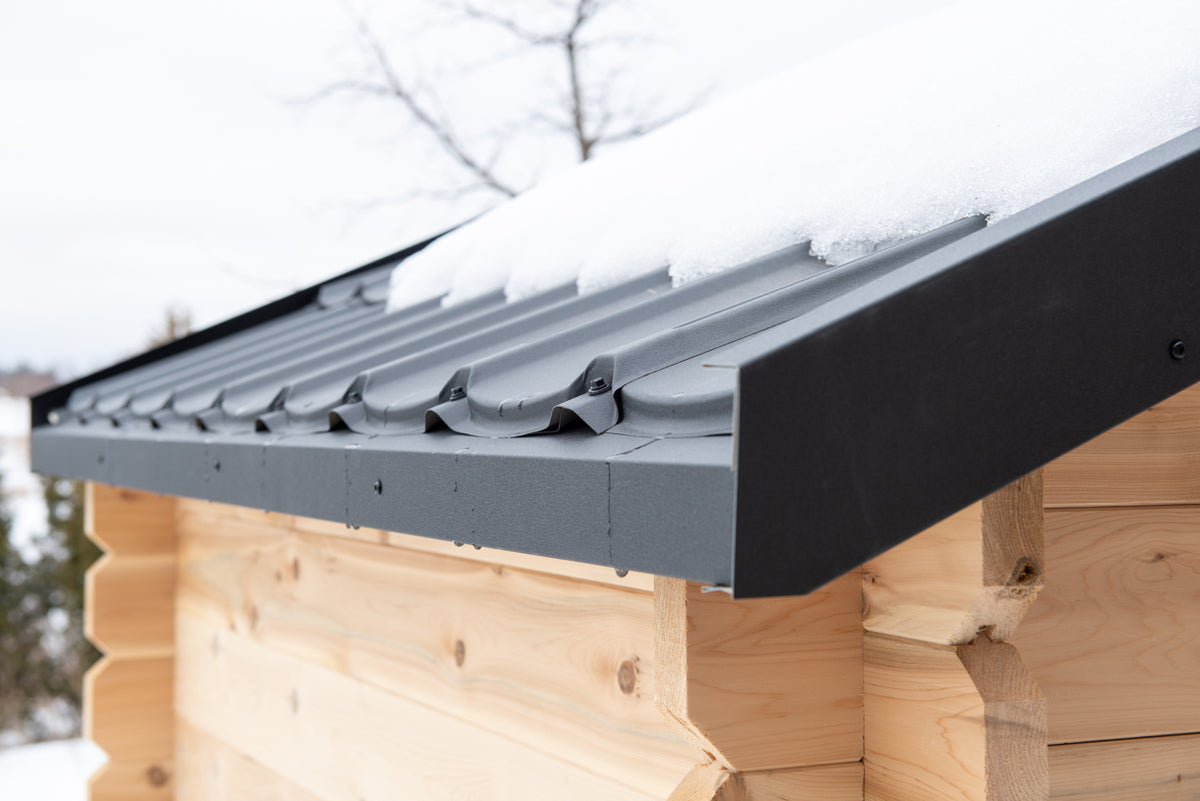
x=869, y=416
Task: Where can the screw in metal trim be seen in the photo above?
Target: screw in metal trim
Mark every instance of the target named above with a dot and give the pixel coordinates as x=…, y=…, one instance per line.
x=477, y=547
x=598, y=386
x=1178, y=349
x=457, y=544
x=457, y=393
x=621, y=572
x=378, y=487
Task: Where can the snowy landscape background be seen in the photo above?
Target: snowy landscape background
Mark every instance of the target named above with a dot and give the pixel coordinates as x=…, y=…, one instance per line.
x=159, y=157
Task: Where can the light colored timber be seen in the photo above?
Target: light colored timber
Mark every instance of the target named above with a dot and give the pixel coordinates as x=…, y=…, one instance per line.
x=978, y=569
x=1114, y=638
x=947, y=722
x=129, y=714
x=711, y=782
x=1150, y=459
x=345, y=740
x=562, y=665
x=129, y=607
x=493, y=556
x=209, y=770
x=130, y=522
x=131, y=782
x=1146, y=769
x=128, y=696
x=763, y=683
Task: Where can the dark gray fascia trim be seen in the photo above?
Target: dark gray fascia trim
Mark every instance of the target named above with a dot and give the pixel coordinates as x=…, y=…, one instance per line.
x=631, y=503
x=899, y=403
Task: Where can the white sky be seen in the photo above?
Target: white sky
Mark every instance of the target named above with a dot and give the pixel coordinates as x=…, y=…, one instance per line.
x=148, y=157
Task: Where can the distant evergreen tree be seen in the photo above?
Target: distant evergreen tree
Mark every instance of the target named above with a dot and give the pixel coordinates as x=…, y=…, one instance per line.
x=67, y=553
x=28, y=680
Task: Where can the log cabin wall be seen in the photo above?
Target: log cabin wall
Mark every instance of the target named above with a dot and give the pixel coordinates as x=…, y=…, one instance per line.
x=1114, y=639
x=264, y=656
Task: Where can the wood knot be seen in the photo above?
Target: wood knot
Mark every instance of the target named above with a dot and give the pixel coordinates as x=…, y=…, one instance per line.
x=156, y=776
x=296, y=568
x=1025, y=572
x=627, y=677
x=460, y=652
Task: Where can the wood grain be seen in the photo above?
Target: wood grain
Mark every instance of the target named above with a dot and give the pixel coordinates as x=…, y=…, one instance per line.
x=128, y=781
x=130, y=522
x=951, y=722
x=843, y=782
x=128, y=696
x=492, y=556
x=1145, y=769
x=565, y=666
x=129, y=715
x=345, y=740
x=980, y=568
x=764, y=683
x=1150, y=459
x=209, y=770
x=1115, y=636
x=129, y=605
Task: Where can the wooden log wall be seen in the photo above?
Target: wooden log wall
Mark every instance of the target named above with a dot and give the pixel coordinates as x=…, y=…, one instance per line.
x=1114, y=639
x=129, y=615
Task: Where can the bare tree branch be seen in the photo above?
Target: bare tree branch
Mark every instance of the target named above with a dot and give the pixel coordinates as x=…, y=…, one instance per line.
x=394, y=87
x=583, y=111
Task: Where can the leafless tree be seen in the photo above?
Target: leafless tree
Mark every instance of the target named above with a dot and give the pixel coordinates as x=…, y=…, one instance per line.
x=586, y=112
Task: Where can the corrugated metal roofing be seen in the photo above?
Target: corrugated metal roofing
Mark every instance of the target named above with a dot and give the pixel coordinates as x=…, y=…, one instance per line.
x=422, y=420
x=489, y=368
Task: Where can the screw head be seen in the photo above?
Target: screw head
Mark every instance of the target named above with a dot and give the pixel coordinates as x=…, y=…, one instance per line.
x=1178, y=349
x=598, y=386
x=378, y=487
x=457, y=393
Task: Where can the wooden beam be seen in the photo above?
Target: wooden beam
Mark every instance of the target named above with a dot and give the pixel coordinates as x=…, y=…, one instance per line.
x=128, y=713
x=563, y=665
x=711, y=782
x=128, y=697
x=209, y=770
x=1114, y=638
x=632, y=580
x=1149, y=459
x=345, y=740
x=129, y=606
x=951, y=722
x=979, y=569
x=1146, y=769
x=765, y=683
x=130, y=522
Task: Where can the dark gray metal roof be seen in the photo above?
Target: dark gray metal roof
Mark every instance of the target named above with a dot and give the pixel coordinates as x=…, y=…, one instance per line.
x=602, y=428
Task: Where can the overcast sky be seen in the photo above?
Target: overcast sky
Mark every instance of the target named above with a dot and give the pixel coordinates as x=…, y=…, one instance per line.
x=152, y=154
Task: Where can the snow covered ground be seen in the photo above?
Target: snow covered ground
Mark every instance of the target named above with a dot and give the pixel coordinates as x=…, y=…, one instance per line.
x=981, y=108
x=56, y=771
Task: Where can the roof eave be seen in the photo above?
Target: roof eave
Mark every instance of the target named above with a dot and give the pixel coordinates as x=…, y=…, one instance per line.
x=902, y=402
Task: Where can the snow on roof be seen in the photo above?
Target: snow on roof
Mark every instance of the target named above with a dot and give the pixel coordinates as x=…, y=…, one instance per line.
x=982, y=108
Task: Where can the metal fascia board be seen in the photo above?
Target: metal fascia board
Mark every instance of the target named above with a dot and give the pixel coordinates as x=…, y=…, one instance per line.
x=667, y=511
x=906, y=400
